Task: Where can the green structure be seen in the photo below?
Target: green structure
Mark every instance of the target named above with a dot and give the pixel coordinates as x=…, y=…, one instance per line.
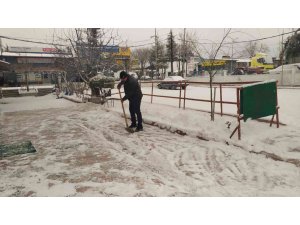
x=16, y=149
x=258, y=100
x=255, y=101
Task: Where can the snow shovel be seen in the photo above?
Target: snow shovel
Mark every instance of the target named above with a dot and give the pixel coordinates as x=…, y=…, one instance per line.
x=126, y=128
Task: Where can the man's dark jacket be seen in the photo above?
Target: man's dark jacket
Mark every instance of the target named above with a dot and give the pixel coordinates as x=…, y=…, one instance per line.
x=132, y=89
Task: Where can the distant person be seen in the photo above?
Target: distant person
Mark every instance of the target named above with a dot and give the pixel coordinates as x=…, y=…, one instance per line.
x=134, y=95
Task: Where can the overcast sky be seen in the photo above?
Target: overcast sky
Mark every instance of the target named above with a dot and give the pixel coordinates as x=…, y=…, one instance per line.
x=143, y=37
x=136, y=19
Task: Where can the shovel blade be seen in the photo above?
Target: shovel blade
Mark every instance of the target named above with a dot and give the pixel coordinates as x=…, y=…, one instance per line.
x=130, y=130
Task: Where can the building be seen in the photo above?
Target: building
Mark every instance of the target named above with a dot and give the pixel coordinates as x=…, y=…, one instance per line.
x=37, y=63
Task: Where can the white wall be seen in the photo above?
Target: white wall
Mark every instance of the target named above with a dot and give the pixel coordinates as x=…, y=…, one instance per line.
x=288, y=79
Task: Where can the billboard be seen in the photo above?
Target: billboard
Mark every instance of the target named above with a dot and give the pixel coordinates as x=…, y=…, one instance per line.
x=32, y=49
x=258, y=100
x=35, y=60
x=110, y=49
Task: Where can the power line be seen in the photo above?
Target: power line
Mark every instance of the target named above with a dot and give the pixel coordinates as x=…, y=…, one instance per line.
x=238, y=42
x=36, y=42
x=55, y=44
x=150, y=43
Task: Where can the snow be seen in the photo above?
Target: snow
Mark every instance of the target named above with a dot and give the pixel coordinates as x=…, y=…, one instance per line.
x=30, y=87
x=262, y=82
x=84, y=150
x=174, y=78
x=46, y=55
x=1, y=61
x=32, y=103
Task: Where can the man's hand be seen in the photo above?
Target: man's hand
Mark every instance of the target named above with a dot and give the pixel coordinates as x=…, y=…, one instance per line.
x=119, y=85
x=123, y=99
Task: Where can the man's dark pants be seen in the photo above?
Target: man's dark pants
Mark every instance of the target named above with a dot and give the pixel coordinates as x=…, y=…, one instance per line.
x=135, y=108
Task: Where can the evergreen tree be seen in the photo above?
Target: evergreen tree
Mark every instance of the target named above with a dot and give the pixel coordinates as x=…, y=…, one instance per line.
x=292, y=47
x=171, y=49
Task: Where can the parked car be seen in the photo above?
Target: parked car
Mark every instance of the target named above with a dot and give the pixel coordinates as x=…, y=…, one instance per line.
x=172, y=82
x=145, y=78
x=288, y=68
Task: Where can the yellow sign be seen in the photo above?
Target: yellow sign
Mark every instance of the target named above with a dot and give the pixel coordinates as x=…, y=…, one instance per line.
x=216, y=62
x=124, y=52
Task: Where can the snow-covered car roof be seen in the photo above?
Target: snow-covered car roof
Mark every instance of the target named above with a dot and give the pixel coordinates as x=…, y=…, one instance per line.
x=100, y=76
x=174, y=78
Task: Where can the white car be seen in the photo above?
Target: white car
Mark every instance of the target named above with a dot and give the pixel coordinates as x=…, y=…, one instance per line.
x=172, y=82
x=145, y=78
x=288, y=68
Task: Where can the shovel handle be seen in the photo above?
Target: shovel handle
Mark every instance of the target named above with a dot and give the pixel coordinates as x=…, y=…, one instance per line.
x=123, y=109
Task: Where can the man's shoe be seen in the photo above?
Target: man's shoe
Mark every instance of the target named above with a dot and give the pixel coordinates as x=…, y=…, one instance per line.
x=132, y=126
x=138, y=129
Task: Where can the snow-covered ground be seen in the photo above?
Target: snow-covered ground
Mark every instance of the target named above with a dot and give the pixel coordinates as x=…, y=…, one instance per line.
x=84, y=150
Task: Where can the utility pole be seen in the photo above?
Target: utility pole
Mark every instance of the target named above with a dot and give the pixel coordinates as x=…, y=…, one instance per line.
x=0, y=46
x=171, y=51
x=282, y=57
x=156, y=55
x=184, y=53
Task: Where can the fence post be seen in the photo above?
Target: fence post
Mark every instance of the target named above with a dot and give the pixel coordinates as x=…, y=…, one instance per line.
x=180, y=96
x=152, y=92
x=184, y=95
x=221, y=100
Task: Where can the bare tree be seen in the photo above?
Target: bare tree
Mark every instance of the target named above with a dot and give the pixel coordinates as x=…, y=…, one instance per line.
x=90, y=50
x=251, y=48
x=142, y=55
x=158, y=59
x=186, y=48
x=212, y=52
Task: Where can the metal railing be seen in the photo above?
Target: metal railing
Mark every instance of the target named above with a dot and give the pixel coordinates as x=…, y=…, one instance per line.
x=182, y=92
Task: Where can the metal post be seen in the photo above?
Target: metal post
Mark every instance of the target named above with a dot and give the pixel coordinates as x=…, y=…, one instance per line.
x=180, y=96
x=282, y=58
x=184, y=95
x=152, y=93
x=221, y=100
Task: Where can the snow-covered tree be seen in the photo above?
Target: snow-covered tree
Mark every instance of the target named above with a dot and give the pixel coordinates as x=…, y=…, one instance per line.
x=291, y=48
x=90, y=50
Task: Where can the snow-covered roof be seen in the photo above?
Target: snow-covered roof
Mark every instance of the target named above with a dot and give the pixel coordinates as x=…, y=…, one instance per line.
x=46, y=55
x=243, y=60
x=263, y=82
x=1, y=61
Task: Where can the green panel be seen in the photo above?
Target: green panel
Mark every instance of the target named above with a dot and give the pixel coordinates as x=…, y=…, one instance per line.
x=258, y=100
x=16, y=149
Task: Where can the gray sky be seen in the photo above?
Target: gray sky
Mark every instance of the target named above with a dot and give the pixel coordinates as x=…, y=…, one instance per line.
x=144, y=36
x=209, y=16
